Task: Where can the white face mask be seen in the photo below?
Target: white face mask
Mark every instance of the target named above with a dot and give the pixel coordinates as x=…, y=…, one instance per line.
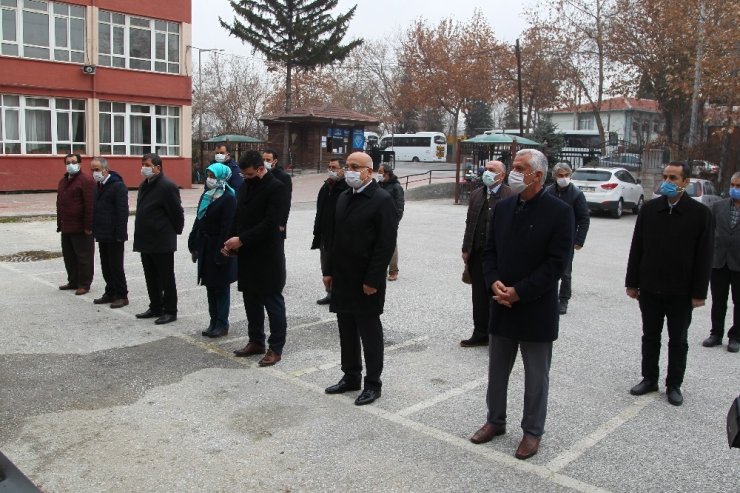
x=147, y=172
x=211, y=182
x=98, y=176
x=333, y=175
x=563, y=182
x=489, y=178
x=220, y=158
x=516, y=182
x=353, y=179
x=268, y=165
x=73, y=168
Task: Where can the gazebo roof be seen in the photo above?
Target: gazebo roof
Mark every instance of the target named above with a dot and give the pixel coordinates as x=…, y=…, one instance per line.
x=232, y=138
x=326, y=113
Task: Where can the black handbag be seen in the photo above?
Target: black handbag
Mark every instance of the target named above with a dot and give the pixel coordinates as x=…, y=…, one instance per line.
x=733, y=424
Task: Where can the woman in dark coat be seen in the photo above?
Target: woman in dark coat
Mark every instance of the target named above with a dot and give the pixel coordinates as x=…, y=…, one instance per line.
x=216, y=272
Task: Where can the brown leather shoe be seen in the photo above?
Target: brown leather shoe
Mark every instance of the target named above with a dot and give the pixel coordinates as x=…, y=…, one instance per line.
x=250, y=349
x=67, y=287
x=270, y=358
x=393, y=276
x=80, y=291
x=119, y=303
x=487, y=432
x=527, y=447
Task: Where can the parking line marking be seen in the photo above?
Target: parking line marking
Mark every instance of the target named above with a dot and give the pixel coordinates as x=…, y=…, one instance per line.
x=419, y=406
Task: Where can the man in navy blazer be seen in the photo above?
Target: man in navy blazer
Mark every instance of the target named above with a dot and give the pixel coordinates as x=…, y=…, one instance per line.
x=527, y=249
x=726, y=268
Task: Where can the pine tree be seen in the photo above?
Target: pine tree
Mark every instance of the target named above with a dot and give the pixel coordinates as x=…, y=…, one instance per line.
x=478, y=118
x=299, y=34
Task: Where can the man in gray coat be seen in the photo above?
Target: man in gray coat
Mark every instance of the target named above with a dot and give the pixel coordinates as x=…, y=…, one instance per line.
x=726, y=268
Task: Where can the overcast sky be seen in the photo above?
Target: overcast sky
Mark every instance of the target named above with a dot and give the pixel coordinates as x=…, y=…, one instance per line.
x=374, y=19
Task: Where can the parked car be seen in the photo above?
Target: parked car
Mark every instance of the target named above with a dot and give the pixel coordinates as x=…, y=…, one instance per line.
x=625, y=160
x=699, y=166
x=700, y=190
x=609, y=190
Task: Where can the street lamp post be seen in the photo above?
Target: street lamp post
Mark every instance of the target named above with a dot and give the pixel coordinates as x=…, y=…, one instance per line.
x=200, y=95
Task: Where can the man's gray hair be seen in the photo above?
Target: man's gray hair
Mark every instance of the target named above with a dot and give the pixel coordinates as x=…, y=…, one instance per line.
x=536, y=160
x=561, y=166
x=735, y=176
x=102, y=161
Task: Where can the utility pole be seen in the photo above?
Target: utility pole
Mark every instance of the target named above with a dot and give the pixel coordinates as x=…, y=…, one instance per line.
x=519, y=82
x=200, y=97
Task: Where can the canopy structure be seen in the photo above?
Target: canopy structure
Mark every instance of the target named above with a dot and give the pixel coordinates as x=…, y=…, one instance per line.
x=233, y=138
x=501, y=139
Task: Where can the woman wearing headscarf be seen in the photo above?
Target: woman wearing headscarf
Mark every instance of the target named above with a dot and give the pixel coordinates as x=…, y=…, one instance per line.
x=211, y=229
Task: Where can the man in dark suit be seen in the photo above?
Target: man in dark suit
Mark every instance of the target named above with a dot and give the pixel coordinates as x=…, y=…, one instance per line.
x=364, y=240
x=571, y=195
x=159, y=219
x=326, y=206
x=257, y=239
x=480, y=208
x=528, y=245
x=270, y=158
x=668, y=273
x=726, y=268
x=223, y=156
x=110, y=228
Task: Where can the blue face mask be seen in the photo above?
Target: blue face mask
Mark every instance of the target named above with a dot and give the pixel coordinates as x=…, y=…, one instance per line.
x=669, y=189
x=734, y=193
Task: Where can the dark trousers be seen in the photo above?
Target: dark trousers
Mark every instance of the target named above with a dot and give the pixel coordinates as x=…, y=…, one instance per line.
x=111, y=262
x=537, y=357
x=324, y=252
x=565, y=279
x=219, y=302
x=722, y=280
x=255, y=306
x=78, y=250
x=159, y=272
x=481, y=296
x=358, y=332
x=676, y=310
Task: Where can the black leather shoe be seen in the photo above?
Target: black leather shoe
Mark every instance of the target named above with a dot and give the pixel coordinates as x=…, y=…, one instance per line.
x=207, y=331
x=733, y=345
x=325, y=300
x=342, y=386
x=367, y=396
x=166, y=318
x=644, y=387
x=712, y=340
x=148, y=314
x=218, y=332
x=474, y=341
x=674, y=396
x=563, y=309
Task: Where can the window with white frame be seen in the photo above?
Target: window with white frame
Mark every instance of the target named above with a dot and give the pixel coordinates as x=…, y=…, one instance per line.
x=43, y=30
x=585, y=122
x=135, y=129
x=138, y=43
x=31, y=125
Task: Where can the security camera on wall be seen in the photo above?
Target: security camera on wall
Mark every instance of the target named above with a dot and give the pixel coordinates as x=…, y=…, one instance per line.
x=88, y=69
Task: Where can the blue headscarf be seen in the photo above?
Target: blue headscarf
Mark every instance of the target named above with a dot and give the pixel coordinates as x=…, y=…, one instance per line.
x=222, y=174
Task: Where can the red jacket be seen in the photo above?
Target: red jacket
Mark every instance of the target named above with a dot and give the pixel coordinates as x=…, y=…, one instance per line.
x=75, y=197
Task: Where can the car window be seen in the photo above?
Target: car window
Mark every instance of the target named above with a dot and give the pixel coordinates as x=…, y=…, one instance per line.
x=694, y=189
x=625, y=176
x=709, y=189
x=591, y=175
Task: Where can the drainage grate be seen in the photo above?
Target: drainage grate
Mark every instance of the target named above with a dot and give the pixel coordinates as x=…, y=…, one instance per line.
x=30, y=256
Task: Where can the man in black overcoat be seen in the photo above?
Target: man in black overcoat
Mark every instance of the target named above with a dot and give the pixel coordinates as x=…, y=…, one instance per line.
x=529, y=241
x=364, y=240
x=159, y=219
x=257, y=239
x=668, y=273
x=270, y=158
x=326, y=206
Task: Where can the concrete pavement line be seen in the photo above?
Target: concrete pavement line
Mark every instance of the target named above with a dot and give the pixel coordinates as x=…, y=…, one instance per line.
x=334, y=364
x=462, y=443
x=294, y=327
x=419, y=406
x=589, y=441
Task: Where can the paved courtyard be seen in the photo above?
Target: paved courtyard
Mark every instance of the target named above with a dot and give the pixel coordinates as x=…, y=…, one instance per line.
x=92, y=399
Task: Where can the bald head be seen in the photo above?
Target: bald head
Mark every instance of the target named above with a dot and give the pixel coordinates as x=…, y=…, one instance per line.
x=495, y=166
x=360, y=159
x=359, y=169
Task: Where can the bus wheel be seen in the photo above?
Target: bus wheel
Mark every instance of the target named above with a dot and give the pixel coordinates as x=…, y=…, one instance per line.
x=414, y=159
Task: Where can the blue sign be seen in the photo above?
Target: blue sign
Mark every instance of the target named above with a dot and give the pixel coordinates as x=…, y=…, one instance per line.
x=336, y=132
x=358, y=139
